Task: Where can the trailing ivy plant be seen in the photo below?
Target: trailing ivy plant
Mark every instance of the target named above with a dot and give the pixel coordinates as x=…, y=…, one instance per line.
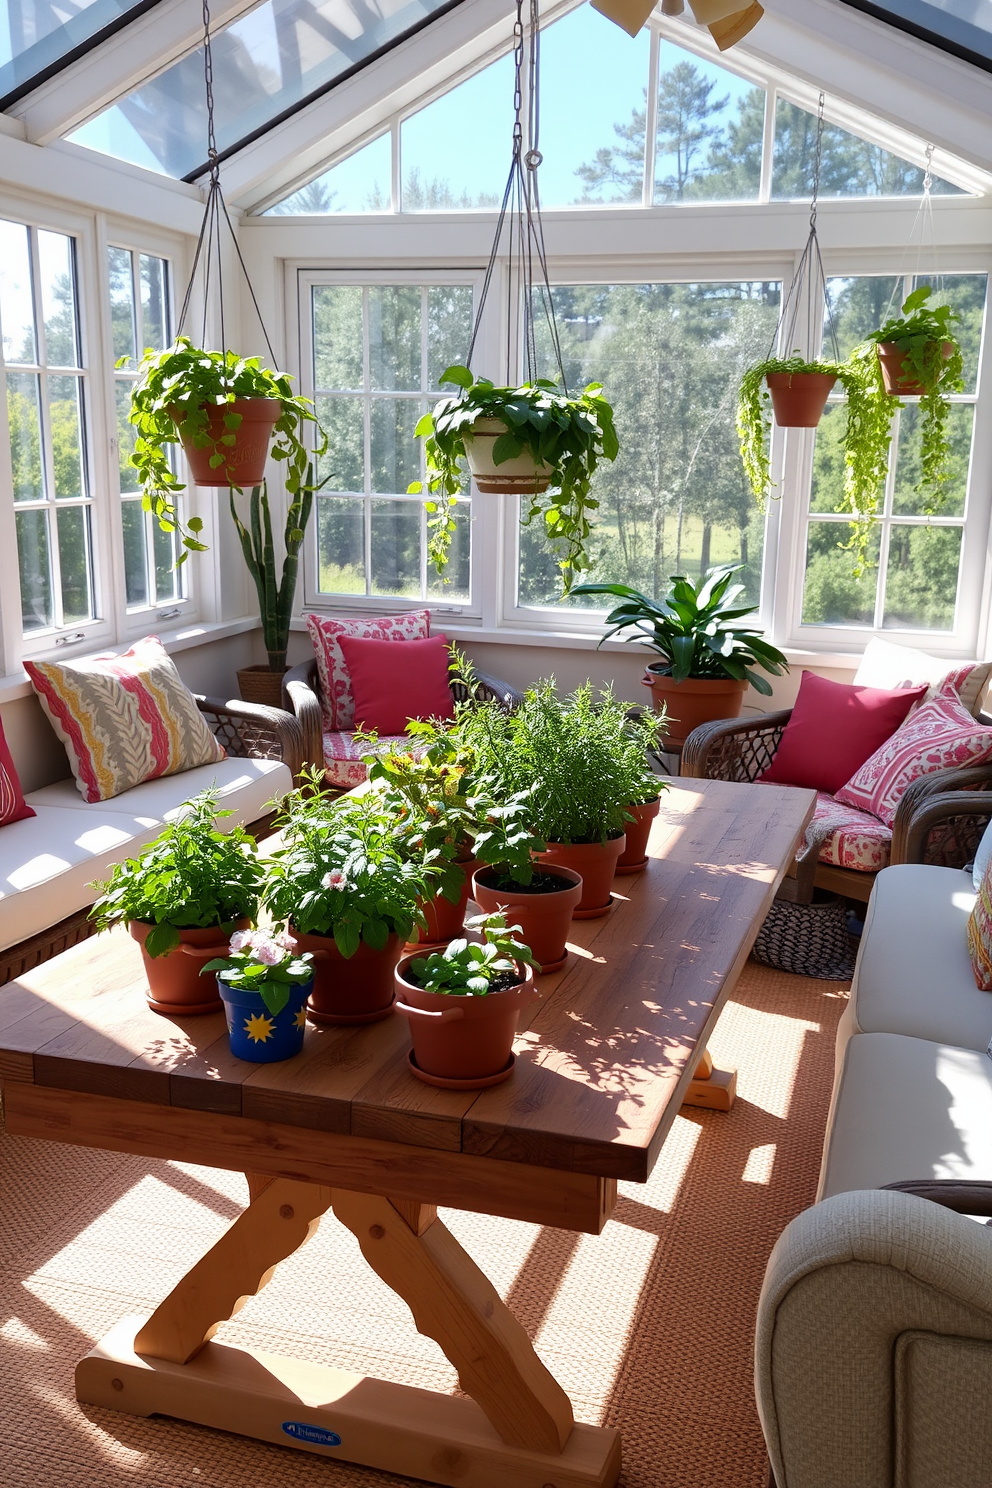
x=867, y=435
x=174, y=390
x=569, y=434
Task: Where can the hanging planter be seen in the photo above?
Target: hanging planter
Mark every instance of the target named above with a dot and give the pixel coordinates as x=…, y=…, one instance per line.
x=799, y=398
x=898, y=378
x=523, y=474
x=242, y=446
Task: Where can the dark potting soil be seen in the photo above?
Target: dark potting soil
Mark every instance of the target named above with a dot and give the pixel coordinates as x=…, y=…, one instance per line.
x=541, y=883
x=501, y=983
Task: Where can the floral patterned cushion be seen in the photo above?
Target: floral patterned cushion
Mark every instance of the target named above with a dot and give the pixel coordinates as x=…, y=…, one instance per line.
x=336, y=695
x=343, y=766
x=857, y=841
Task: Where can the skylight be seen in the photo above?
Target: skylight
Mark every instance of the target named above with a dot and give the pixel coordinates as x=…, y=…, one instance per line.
x=963, y=27
x=37, y=37
x=266, y=65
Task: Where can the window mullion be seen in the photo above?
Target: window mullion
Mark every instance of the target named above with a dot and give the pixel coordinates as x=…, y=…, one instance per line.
x=768, y=145
x=367, y=439
x=651, y=121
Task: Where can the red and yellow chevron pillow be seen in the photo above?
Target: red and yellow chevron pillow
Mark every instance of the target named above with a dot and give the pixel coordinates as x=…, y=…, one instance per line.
x=123, y=719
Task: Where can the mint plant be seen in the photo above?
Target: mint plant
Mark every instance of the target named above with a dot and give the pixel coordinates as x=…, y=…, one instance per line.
x=467, y=968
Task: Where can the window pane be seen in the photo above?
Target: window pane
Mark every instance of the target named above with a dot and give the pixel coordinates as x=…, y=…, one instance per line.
x=965, y=293
x=832, y=595
x=121, y=302
x=135, y=560
x=458, y=571
x=827, y=494
x=344, y=461
x=154, y=274
x=710, y=131
x=24, y=419
x=395, y=451
x=396, y=548
x=394, y=338
x=449, y=328
x=74, y=564
x=125, y=439
x=58, y=299
x=67, y=439
x=456, y=151
x=858, y=306
x=360, y=183
x=922, y=577
x=850, y=166
x=340, y=546
x=670, y=357
x=337, y=333
x=34, y=565
x=168, y=581
x=16, y=301
x=907, y=502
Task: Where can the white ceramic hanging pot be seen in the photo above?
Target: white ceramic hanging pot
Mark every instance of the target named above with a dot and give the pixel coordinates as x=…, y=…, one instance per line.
x=520, y=474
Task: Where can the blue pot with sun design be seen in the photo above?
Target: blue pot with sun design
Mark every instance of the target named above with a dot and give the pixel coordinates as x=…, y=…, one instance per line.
x=258, y=1035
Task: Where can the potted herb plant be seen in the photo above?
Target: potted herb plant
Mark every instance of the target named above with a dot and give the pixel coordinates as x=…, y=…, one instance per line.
x=264, y=986
x=223, y=409
x=640, y=787
x=707, y=656
x=349, y=894
x=532, y=439
x=920, y=357
x=463, y=1004
x=181, y=898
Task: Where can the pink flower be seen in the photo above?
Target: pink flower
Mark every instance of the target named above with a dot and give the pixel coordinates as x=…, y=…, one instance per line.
x=269, y=953
x=240, y=939
x=284, y=939
x=334, y=879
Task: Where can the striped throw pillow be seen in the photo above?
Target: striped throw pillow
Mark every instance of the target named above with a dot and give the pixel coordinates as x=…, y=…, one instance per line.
x=123, y=719
x=13, y=806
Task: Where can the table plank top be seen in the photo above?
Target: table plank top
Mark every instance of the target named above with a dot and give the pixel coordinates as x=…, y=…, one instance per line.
x=602, y=1058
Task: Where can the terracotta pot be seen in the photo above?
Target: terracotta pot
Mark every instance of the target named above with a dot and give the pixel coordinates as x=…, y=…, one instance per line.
x=544, y=919
x=892, y=359
x=521, y=473
x=358, y=989
x=462, y=1039
x=596, y=862
x=261, y=1037
x=174, y=983
x=799, y=398
x=245, y=458
x=261, y=684
x=634, y=856
x=445, y=921
x=692, y=702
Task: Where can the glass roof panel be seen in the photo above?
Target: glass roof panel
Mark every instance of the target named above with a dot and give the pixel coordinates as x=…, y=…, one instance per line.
x=39, y=36
x=963, y=27
x=266, y=64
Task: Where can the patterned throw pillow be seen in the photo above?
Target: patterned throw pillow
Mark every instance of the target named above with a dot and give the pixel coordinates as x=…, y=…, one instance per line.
x=941, y=735
x=13, y=806
x=123, y=719
x=337, y=696
x=980, y=934
x=888, y=665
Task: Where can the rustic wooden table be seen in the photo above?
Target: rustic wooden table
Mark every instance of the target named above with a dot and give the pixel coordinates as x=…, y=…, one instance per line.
x=603, y=1064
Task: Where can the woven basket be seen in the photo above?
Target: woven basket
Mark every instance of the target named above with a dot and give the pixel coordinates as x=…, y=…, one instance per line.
x=260, y=684
x=809, y=940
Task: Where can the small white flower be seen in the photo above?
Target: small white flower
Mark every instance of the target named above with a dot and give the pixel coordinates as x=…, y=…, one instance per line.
x=240, y=939
x=284, y=939
x=334, y=879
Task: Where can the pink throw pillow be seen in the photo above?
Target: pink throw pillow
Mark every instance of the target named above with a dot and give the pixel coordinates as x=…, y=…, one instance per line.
x=940, y=735
x=393, y=684
x=13, y=806
x=336, y=692
x=834, y=728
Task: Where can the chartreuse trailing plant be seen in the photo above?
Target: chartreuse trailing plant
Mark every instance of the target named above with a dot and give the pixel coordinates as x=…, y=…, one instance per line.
x=469, y=968
x=568, y=434
x=867, y=434
x=192, y=876
x=174, y=390
x=262, y=961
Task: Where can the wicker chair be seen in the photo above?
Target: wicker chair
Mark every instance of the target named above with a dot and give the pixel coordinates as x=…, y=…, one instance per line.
x=301, y=694
x=247, y=731
x=742, y=748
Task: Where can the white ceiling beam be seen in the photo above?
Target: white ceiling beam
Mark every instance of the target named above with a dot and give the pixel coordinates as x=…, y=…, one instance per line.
x=142, y=49
x=78, y=176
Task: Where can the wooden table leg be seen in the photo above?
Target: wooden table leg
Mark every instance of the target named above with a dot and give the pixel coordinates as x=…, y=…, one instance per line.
x=515, y=1432
x=713, y=1089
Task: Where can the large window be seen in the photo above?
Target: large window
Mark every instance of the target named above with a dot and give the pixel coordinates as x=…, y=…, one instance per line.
x=378, y=352
x=46, y=388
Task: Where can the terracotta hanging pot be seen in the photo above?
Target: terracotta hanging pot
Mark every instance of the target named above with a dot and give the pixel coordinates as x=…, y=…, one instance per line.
x=597, y=863
x=462, y=1043
x=543, y=911
x=892, y=360
x=522, y=473
x=799, y=398
x=261, y=1037
x=356, y=989
x=174, y=983
x=634, y=856
x=692, y=702
x=244, y=460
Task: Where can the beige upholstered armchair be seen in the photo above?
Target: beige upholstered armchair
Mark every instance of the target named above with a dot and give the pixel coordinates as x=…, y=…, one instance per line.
x=873, y=1361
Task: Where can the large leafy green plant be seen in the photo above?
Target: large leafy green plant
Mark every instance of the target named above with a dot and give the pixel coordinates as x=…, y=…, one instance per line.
x=568, y=434
x=192, y=876
x=275, y=592
x=696, y=629
x=470, y=968
x=174, y=390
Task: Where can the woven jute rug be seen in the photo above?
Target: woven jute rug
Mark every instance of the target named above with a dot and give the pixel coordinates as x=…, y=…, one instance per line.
x=648, y=1326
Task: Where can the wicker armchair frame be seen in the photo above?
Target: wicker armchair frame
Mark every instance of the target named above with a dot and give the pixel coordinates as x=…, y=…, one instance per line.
x=301, y=694
x=739, y=749
x=247, y=731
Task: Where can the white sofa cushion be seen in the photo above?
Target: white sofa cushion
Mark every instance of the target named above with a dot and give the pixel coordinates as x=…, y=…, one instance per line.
x=246, y=787
x=913, y=974
x=907, y=1108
